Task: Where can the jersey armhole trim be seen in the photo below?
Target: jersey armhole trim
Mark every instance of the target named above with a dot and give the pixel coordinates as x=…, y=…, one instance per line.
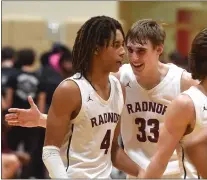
x=81, y=109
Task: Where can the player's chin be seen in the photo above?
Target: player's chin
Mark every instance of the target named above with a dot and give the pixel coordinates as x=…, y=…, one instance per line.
x=114, y=70
x=116, y=67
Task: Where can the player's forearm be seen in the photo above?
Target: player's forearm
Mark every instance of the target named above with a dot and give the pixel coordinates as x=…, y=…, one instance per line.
x=43, y=120
x=156, y=168
x=122, y=161
x=53, y=162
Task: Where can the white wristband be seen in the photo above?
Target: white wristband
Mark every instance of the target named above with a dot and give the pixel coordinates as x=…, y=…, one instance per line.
x=53, y=162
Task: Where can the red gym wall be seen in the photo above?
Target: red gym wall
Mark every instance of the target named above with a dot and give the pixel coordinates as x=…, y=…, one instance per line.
x=183, y=33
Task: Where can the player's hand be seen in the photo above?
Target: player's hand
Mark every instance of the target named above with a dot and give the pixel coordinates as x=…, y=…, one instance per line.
x=24, y=117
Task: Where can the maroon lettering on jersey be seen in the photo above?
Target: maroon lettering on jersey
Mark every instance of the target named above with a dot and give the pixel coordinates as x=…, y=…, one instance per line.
x=146, y=106
x=105, y=118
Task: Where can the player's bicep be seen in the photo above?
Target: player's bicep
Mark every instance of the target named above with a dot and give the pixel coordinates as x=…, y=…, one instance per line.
x=66, y=100
x=177, y=118
x=179, y=115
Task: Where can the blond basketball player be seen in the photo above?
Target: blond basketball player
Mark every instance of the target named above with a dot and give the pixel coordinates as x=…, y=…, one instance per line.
x=188, y=112
x=150, y=88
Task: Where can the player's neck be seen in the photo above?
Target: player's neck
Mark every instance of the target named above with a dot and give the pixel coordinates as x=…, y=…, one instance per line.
x=98, y=78
x=152, y=79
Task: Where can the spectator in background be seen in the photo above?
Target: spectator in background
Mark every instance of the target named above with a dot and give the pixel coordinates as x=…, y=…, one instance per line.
x=7, y=62
x=57, y=50
x=50, y=79
x=44, y=62
x=10, y=165
x=21, y=84
x=65, y=64
x=176, y=58
x=11, y=160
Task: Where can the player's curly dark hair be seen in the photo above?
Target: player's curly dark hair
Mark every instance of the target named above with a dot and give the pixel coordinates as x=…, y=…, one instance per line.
x=198, y=56
x=96, y=32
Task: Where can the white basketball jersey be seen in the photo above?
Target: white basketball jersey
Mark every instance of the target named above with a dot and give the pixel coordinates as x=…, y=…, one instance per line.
x=200, y=104
x=86, y=151
x=143, y=116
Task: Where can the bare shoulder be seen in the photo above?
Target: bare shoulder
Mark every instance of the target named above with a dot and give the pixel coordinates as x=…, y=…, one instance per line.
x=181, y=109
x=66, y=93
x=182, y=103
x=187, y=81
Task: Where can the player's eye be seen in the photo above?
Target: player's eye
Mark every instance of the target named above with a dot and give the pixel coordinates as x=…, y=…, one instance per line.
x=141, y=51
x=117, y=45
x=130, y=50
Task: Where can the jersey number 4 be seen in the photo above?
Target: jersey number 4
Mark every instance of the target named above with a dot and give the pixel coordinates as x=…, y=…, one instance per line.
x=153, y=125
x=106, y=141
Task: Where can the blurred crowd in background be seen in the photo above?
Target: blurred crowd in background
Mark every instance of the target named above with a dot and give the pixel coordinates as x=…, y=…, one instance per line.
x=20, y=80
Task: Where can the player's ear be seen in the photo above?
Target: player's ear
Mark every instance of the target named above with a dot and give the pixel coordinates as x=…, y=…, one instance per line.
x=96, y=50
x=160, y=49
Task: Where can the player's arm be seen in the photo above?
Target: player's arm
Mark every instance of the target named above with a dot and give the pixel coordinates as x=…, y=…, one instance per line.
x=187, y=81
x=178, y=116
x=120, y=159
x=196, y=148
x=65, y=104
x=26, y=117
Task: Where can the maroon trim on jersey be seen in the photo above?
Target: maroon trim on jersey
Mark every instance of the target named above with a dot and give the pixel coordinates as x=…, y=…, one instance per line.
x=183, y=159
x=69, y=147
